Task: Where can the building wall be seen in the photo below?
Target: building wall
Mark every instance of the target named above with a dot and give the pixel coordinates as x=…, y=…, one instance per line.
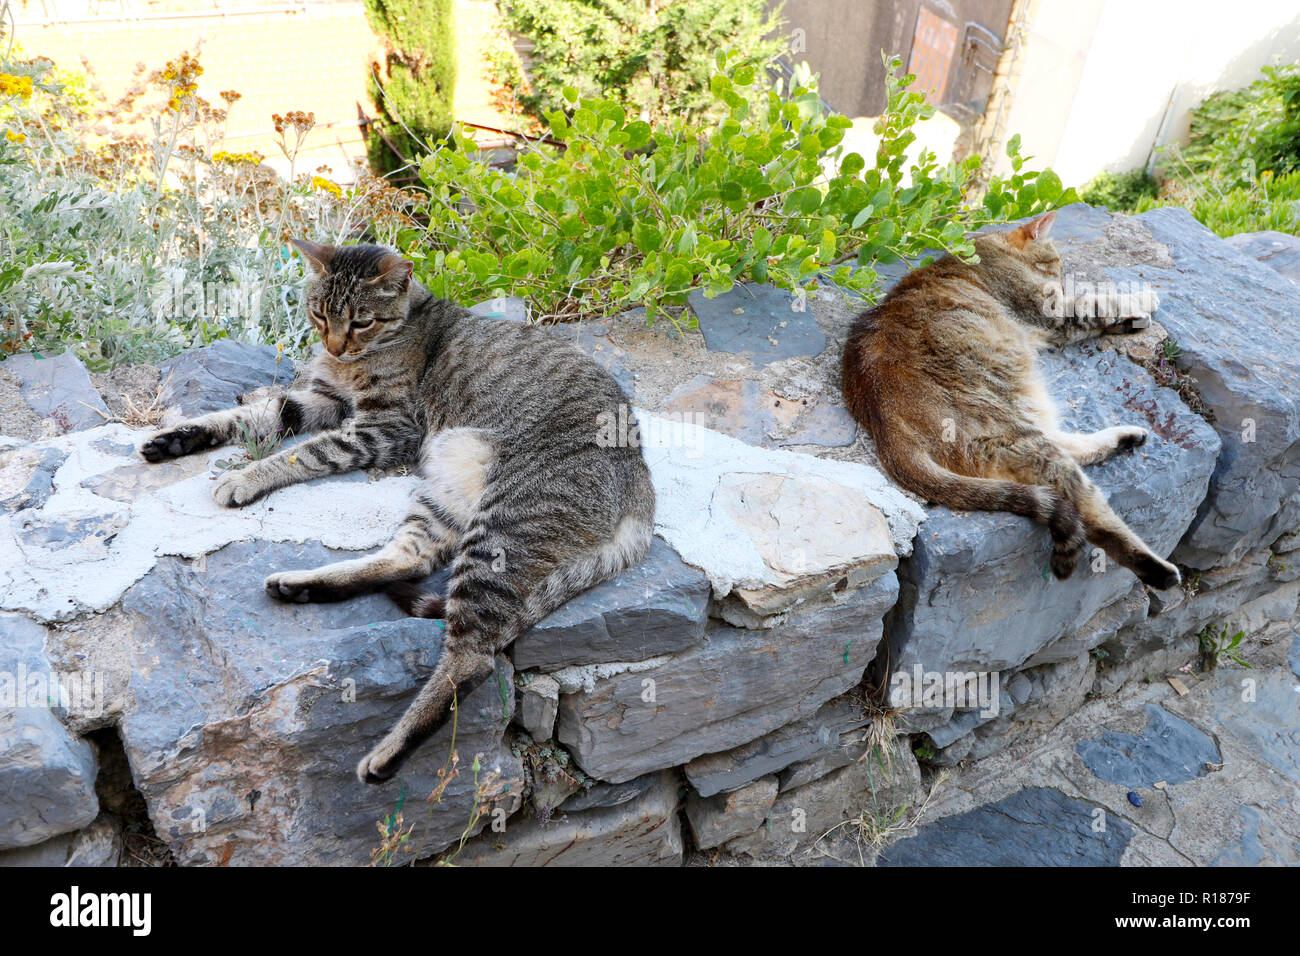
x=843, y=40
x=1107, y=81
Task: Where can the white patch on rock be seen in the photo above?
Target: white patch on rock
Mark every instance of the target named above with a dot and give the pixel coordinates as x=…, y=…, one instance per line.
x=53, y=569
x=584, y=677
x=81, y=551
x=815, y=515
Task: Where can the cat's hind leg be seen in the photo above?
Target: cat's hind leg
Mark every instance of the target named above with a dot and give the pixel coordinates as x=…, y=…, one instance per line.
x=422, y=545
x=1034, y=457
x=498, y=590
x=455, y=463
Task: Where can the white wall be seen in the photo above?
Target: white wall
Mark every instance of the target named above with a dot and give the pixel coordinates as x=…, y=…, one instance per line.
x=1142, y=56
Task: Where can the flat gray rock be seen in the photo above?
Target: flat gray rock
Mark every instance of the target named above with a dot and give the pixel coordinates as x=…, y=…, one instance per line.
x=247, y=716
x=805, y=739
x=27, y=477
x=657, y=607
x=715, y=820
x=1168, y=749
x=509, y=308
x=609, y=794
x=58, y=388
x=1034, y=827
x=643, y=831
x=803, y=816
x=1238, y=325
x=213, y=377
x=99, y=844
x=745, y=410
x=760, y=322
x=47, y=776
x=1280, y=251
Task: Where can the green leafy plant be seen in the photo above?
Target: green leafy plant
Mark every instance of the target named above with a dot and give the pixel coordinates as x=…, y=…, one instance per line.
x=652, y=57
x=414, y=86
x=1119, y=191
x=1218, y=647
x=628, y=213
x=1236, y=135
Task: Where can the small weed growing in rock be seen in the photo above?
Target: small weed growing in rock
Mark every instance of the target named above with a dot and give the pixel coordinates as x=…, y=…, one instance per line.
x=257, y=447
x=146, y=414
x=1167, y=374
x=1220, y=647
x=393, y=836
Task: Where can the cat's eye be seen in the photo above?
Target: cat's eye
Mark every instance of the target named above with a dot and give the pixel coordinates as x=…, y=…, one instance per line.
x=361, y=324
x=316, y=316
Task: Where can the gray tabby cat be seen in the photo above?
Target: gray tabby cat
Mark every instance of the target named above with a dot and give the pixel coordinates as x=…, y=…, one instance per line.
x=521, y=497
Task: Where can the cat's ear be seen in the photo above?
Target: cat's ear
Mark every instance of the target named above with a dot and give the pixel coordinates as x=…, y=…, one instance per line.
x=1039, y=227
x=394, y=274
x=318, y=257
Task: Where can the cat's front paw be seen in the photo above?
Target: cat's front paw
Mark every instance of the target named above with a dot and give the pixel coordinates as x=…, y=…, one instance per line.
x=381, y=763
x=234, y=489
x=178, y=441
x=288, y=586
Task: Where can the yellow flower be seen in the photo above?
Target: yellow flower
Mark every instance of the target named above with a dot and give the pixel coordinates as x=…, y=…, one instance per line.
x=15, y=137
x=324, y=184
x=238, y=159
x=20, y=86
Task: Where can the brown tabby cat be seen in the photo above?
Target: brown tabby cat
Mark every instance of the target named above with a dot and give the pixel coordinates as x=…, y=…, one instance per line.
x=521, y=496
x=942, y=374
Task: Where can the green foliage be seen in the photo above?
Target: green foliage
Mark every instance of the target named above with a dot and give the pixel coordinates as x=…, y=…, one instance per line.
x=1239, y=134
x=652, y=58
x=1119, y=191
x=1266, y=204
x=631, y=213
x=1219, y=647
x=414, y=91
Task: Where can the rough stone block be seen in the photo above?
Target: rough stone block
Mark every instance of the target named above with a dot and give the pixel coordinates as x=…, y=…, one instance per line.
x=657, y=607
x=715, y=820
x=734, y=688
x=213, y=377
x=644, y=831
x=47, y=776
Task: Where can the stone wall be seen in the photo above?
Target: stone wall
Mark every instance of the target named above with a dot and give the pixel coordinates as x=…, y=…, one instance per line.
x=723, y=696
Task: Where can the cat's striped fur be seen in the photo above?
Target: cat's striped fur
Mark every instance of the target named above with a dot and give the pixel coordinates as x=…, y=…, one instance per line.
x=521, y=497
x=942, y=373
